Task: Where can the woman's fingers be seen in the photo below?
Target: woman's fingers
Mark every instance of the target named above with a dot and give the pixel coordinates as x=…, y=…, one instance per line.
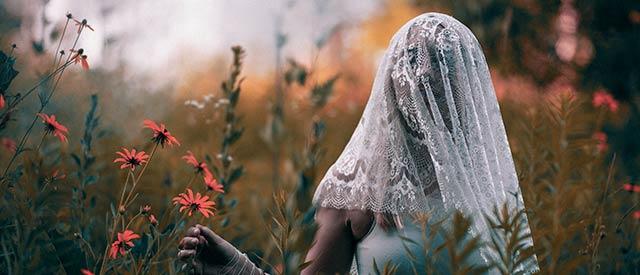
x=211, y=237
x=188, y=243
x=186, y=254
x=193, y=232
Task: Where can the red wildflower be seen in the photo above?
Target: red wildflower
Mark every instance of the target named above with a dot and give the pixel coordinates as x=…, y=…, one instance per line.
x=153, y=220
x=200, y=167
x=211, y=182
x=2, y=101
x=603, y=98
x=636, y=214
x=85, y=271
x=123, y=243
x=631, y=188
x=82, y=24
x=160, y=133
x=131, y=159
x=9, y=144
x=53, y=126
x=601, y=141
x=195, y=203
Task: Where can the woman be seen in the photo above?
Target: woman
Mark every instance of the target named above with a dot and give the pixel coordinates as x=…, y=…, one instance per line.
x=431, y=140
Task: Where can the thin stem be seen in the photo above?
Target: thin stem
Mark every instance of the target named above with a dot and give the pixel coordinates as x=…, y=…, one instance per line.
x=32, y=89
x=193, y=177
x=37, y=150
x=64, y=31
x=144, y=168
x=43, y=105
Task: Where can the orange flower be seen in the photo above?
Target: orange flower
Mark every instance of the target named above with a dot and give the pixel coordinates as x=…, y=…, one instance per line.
x=131, y=159
x=195, y=203
x=601, y=141
x=123, y=243
x=603, y=98
x=53, y=126
x=82, y=24
x=211, y=182
x=160, y=133
x=153, y=220
x=2, y=101
x=9, y=144
x=199, y=167
x=85, y=271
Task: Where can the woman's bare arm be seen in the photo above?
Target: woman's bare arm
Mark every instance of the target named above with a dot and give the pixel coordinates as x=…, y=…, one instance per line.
x=336, y=239
x=332, y=251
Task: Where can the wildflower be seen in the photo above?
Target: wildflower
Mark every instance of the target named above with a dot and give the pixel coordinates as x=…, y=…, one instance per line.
x=57, y=175
x=9, y=144
x=84, y=63
x=195, y=203
x=53, y=126
x=211, y=182
x=2, y=101
x=631, y=188
x=131, y=159
x=199, y=167
x=146, y=209
x=153, y=220
x=160, y=133
x=601, y=141
x=79, y=58
x=636, y=214
x=85, y=271
x=82, y=24
x=603, y=98
x=123, y=243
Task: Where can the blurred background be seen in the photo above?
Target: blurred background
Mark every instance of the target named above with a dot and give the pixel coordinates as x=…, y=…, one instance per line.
x=307, y=75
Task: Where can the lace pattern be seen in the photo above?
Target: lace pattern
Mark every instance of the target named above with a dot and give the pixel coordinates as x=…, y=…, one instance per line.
x=431, y=138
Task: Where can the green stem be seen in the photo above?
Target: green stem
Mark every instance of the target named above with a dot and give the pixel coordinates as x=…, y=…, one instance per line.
x=43, y=105
x=144, y=168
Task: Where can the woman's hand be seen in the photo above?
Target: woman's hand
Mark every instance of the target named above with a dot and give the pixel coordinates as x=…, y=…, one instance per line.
x=206, y=251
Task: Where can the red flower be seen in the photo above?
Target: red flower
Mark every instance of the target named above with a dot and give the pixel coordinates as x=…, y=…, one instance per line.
x=131, y=159
x=636, y=214
x=2, y=101
x=195, y=203
x=212, y=183
x=123, y=243
x=631, y=188
x=603, y=98
x=53, y=126
x=191, y=160
x=85, y=271
x=601, y=141
x=153, y=220
x=160, y=133
x=82, y=24
x=9, y=144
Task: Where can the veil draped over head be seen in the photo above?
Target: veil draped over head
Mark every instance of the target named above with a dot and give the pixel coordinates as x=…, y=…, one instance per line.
x=431, y=138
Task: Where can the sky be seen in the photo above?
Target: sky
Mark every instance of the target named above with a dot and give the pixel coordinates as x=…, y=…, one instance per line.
x=160, y=37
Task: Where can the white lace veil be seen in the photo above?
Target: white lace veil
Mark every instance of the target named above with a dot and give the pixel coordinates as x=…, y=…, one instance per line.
x=431, y=138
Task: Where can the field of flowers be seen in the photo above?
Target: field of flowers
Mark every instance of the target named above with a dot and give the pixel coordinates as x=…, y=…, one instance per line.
x=95, y=182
